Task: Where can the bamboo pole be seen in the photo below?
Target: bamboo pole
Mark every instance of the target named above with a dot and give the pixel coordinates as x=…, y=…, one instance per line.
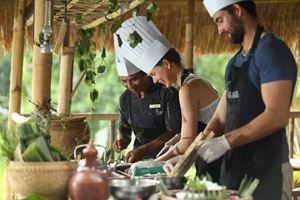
x=17, y=58
x=42, y=63
x=189, y=34
x=65, y=81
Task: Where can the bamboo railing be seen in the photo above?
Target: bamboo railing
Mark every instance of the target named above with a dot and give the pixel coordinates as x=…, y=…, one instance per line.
x=291, y=131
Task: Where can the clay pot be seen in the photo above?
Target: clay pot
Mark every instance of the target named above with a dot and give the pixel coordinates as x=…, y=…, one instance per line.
x=68, y=132
x=89, y=183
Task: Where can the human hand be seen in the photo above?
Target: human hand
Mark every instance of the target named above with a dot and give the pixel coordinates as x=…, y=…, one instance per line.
x=169, y=164
x=214, y=149
x=119, y=144
x=135, y=155
x=169, y=144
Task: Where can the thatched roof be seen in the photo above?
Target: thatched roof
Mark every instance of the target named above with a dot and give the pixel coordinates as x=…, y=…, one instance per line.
x=279, y=16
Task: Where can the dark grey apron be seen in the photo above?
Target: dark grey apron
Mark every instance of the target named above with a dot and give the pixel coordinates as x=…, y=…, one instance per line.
x=260, y=159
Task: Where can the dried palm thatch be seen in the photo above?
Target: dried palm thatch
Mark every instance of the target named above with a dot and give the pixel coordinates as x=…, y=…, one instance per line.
x=279, y=16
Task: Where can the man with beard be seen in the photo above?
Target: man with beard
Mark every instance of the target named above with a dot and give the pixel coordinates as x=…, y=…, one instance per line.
x=252, y=114
x=151, y=111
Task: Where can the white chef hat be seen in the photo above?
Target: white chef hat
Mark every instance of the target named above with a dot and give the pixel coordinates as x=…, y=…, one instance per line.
x=152, y=48
x=212, y=6
x=124, y=67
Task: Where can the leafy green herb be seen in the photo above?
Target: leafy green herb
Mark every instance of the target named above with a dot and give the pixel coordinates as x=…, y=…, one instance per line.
x=195, y=183
x=134, y=39
x=248, y=186
x=152, y=7
x=8, y=142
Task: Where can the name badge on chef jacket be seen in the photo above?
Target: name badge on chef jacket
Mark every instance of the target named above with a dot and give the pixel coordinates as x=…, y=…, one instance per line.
x=154, y=106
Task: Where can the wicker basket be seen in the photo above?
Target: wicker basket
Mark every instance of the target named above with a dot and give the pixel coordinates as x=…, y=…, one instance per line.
x=49, y=179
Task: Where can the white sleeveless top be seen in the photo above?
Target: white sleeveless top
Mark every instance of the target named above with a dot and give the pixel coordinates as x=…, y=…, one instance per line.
x=206, y=113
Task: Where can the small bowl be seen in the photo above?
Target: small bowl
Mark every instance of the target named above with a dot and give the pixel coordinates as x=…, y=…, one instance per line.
x=132, y=189
x=174, y=183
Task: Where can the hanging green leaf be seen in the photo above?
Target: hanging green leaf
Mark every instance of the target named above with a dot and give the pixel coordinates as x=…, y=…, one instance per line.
x=134, y=39
x=119, y=40
x=150, y=10
x=115, y=26
x=81, y=65
x=103, y=54
x=113, y=7
x=94, y=95
x=78, y=19
x=101, y=28
x=90, y=78
x=101, y=69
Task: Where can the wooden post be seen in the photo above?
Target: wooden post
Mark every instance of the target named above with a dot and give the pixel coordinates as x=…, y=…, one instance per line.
x=17, y=58
x=42, y=63
x=16, y=73
x=189, y=34
x=65, y=81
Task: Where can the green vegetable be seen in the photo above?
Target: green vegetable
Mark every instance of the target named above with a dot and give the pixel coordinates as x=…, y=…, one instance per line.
x=35, y=197
x=248, y=186
x=195, y=183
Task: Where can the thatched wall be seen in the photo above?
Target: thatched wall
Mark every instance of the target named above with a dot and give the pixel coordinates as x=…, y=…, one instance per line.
x=278, y=16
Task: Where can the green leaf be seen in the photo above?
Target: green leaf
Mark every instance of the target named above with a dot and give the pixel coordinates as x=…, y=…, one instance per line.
x=152, y=7
x=103, y=54
x=89, y=78
x=115, y=26
x=134, y=39
x=35, y=197
x=81, y=65
x=94, y=95
x=119, y=40
x=101, y=69
x=78, y=19
x=101, y=28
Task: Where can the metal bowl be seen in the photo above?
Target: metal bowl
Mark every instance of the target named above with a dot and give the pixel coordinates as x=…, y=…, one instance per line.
x=131, y=189
x=174, y=183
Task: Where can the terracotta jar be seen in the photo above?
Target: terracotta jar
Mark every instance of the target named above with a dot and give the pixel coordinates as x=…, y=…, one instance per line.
x=89, y=183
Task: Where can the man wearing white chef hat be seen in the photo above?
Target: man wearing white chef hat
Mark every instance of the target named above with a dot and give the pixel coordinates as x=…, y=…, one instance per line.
x=151, y=111
x=254, y=110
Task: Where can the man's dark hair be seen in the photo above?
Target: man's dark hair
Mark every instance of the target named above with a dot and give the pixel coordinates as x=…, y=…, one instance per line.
x=249, y=6
x=172, y=55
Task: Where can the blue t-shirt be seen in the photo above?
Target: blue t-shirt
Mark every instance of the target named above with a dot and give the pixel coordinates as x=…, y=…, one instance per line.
x=272, y=61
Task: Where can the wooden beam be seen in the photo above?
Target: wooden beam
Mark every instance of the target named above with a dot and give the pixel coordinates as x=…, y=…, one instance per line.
x=103, y=19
